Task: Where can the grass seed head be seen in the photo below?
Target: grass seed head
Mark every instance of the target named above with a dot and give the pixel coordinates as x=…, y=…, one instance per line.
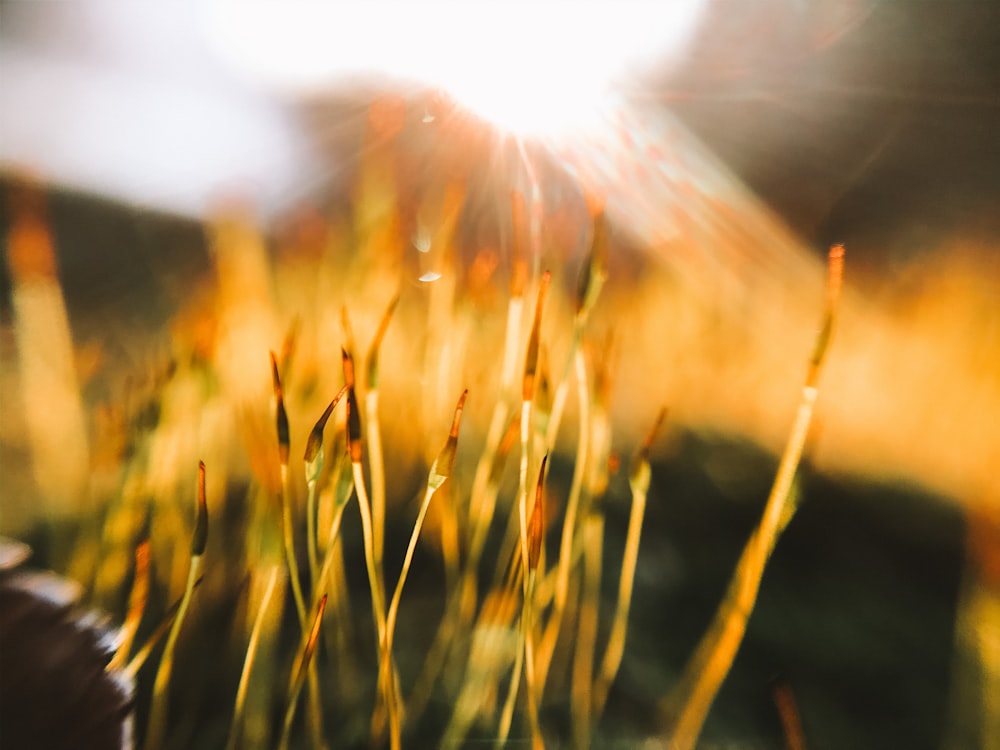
x=314, y=454
x=445, y=462
x=200, y=536
x=281, y=416
x=531, y=358
x=536, y=527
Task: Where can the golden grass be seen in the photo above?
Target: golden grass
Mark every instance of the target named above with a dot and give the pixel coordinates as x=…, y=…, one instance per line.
x=480, y=651
x=525, y=614
x=714, y=655
x=158, y=711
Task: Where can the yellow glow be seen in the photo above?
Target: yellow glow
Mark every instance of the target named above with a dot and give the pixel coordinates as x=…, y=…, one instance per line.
x=529, y=68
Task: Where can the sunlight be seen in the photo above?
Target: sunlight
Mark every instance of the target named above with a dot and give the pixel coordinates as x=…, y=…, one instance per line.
x=532, y=70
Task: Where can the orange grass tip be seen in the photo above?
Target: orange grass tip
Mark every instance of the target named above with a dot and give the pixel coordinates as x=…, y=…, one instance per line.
x=536, y=527
x=313, y=456
x=347, y=362
x=640, y=472
x=654, y=431
x=142, y=559
x=140, y=586
x=788, y=711
x=595, y=199
x=835, y=274
x=314, y=630
x=30, y=249
x=834, y=282
x=275, y=376
x=136, y=605
x=200, y=536
x=281, y=416
x=353, y=426
x=310, y=649
x=445, y=462
x=531, y=358
x=345, y=323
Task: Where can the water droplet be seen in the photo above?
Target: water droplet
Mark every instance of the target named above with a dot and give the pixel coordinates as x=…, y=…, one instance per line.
x=422, y=240
x=430, y=276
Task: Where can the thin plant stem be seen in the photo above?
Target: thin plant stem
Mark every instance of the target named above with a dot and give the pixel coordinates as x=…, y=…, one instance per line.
x=385, y=677
x=313, y=466
x=791, y=721
x=300, y=672
x=139, y=659
x=566, y=558
x=439, y=473
x=482, y=507
x=374, y=582
x=482, y=511
x=639, y=482
x=461, y=606
x=525, y=648
x=315, y=712
x=248, y=660
x=376, y=463
x=136, y=607
x=527, y=397
x=522, y=487
x=583, y=659
x=492, y=648
x=331, y=550
x=313, y=460
x=488, y=498
x=289, y=544
x=158, y=709
x=711, y=662
x=531, y=685
x=354, y=439
x=332, y=577
x=562, y=390
x=450, y=546
x=591, y=281
x=284, y=445
x=311, y=545
x=507, y=716
x=536, y=539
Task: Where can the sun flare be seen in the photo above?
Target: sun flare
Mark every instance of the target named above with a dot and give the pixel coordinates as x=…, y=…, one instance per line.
x=539, y=71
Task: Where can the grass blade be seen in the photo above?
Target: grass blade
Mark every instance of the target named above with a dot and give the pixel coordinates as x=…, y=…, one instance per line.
x=710, y=663
x=156, y=730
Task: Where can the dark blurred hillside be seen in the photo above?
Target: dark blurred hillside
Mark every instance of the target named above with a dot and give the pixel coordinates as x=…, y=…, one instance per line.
x=852, y=119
